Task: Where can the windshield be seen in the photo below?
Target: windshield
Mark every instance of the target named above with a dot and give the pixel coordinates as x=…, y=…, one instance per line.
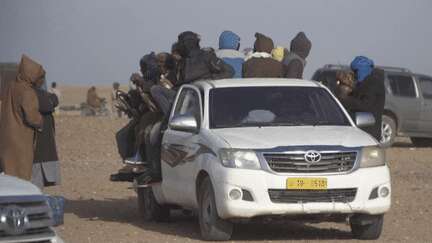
x=274, y=106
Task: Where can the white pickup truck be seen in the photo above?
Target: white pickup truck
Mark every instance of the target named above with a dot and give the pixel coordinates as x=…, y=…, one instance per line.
x=25, y=214
x=252, y=148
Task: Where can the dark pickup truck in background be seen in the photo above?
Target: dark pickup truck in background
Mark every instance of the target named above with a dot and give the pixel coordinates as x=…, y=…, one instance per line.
x=408, y=107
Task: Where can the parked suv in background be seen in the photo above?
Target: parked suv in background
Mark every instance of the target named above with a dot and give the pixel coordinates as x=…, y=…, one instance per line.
x=408, y=106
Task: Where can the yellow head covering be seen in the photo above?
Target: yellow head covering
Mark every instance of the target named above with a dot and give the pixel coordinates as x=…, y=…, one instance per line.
x=278, y=53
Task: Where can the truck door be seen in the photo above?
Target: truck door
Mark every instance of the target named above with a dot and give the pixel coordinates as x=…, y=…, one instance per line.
x=405, y=99
x=179, y=150
x=426, y=110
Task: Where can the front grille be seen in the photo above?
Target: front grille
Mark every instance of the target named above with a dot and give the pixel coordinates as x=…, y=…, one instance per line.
x=38, y=213
x=307, y=196
x=296, y=163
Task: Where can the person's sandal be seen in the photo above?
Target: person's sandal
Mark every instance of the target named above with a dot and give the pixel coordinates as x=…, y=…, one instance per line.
x=148, y=178
x=126, y=177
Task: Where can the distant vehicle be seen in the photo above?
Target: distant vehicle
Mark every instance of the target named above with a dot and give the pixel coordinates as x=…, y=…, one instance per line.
x=87, y=110
x=8, y=72
x=239, y=149
x=26, y=215
x=408, y=107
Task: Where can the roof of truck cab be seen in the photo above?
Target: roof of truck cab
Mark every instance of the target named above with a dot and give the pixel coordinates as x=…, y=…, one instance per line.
x=262, y=82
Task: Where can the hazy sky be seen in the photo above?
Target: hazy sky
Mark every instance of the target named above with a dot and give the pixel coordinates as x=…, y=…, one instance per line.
x=101, y=41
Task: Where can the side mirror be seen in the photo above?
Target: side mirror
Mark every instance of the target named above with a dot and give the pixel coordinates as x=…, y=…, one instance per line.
x=184, y=123
x=364, y=119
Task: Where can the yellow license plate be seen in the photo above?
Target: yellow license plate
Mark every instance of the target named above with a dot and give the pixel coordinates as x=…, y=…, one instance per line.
x=306, y=183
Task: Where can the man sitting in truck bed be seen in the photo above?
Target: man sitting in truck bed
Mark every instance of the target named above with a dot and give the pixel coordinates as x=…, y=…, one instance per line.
x=195, y=64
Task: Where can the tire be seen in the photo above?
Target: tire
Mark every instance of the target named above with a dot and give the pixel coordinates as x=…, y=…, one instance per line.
x=212, y=227
x=149, y=208
x=366, y=227
x=422, y=142
x=388, y=131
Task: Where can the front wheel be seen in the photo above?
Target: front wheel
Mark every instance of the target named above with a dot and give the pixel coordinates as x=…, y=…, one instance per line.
x=213, y=228
x=367, y=227
x=388, y=131
x=422, y=142
x=149, y=208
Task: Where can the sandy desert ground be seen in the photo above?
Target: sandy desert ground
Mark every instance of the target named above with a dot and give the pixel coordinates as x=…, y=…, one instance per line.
x=98, y=210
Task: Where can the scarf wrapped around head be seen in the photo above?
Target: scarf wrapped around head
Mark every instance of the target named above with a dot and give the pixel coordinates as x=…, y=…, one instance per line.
x=187, y=42
x=362, y=67
x=278, y=53
x=149, y=67
x=29, y=71
x=263, y=43
x=229, y=40
x=301, y=45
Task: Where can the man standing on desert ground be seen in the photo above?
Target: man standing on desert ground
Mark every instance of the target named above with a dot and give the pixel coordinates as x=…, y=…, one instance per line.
x=46, y=166
x=114, y=100
x=19, y=120
x=56, y=91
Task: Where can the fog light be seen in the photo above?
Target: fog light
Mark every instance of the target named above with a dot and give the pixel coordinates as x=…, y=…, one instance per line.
x=235, y=194
x=384, y=191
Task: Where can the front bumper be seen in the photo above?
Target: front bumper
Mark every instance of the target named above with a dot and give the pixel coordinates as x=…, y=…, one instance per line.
x=51, y=238
x=258, y=182
x=56, y=239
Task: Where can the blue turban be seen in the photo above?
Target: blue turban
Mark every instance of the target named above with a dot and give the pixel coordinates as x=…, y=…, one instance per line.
x=229, y=40
x=362, y=67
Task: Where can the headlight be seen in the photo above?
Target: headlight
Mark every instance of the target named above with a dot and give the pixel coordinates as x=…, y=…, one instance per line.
x=372, y=156
x=56, y=203
x=239, y=158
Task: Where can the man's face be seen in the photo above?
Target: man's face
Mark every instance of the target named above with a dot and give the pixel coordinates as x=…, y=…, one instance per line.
x=355, y=71
x=161, y=63
x=143, y=69
x=40, y=82
x=176, y=56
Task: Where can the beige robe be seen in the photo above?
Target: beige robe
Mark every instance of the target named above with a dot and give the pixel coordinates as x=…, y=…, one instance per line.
x=18, y=120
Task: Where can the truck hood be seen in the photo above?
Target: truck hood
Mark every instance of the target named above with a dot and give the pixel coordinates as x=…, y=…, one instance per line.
x=271, y=137
x=12, y=186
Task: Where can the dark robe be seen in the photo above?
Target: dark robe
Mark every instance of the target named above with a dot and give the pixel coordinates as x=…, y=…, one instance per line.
x=46, y=149
x=369, y=96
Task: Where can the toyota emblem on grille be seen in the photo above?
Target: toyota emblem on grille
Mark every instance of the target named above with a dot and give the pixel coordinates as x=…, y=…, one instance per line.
x=312, y=157
x=13, y=220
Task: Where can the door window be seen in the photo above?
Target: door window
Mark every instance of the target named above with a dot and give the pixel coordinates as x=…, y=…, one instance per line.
x=402, y=85
x=426, y=87
x=188, y=104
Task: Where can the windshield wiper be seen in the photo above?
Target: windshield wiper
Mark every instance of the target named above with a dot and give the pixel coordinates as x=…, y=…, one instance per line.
x=255, y=124
x=321, y=123
x=272, y=124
